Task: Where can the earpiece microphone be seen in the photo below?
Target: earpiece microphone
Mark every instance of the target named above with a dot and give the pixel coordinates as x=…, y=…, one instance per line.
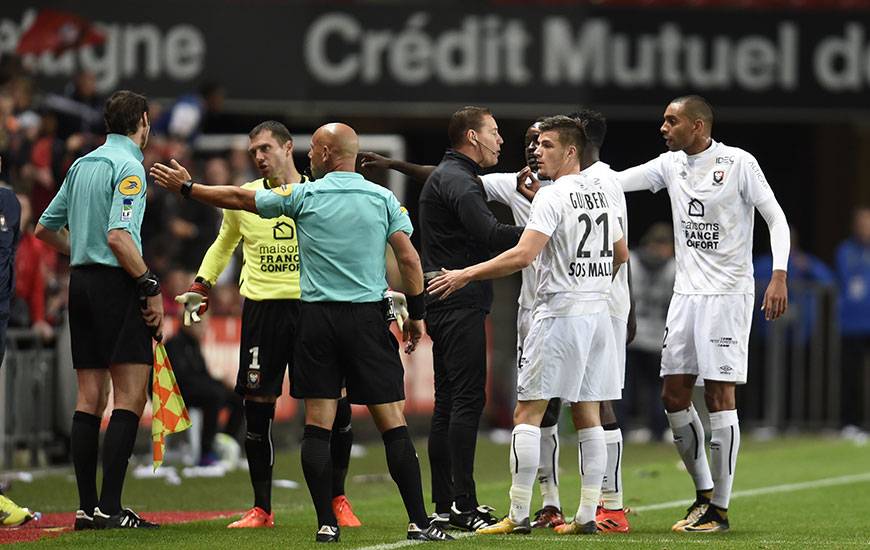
x=487, y=148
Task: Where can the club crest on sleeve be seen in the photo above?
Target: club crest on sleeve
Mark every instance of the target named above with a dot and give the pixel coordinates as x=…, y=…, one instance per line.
x=131, y=185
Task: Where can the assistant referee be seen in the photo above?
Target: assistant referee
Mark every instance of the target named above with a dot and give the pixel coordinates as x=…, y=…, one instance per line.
x=344, y=224
x=114, y=304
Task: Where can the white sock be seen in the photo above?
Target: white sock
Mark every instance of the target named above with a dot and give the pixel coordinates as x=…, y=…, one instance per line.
x=611, y=488
x=724, y=444
x=593, y=459
x=548, y=470
x=525, y=454
x=689, y=439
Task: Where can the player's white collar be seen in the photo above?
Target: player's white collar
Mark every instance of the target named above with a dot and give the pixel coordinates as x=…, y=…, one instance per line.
x=714, y=145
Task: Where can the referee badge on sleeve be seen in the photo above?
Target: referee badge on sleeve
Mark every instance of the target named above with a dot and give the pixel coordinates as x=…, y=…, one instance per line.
x=131, y=185
x=127, y=210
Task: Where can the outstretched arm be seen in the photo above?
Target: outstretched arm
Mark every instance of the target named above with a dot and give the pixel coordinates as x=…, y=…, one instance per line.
x=510, y=261
x=417, y=172
x=230, y=197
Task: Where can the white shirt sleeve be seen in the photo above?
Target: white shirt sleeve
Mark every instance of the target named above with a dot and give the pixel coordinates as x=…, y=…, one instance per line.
x=649, y=176
x=499, y=187
x=617, y=231
x=780, y=236
x=755, y=189
x=546, y=212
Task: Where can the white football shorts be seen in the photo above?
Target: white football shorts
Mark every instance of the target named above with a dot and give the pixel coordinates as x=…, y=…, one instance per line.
x=573, y=358
x=708, y=336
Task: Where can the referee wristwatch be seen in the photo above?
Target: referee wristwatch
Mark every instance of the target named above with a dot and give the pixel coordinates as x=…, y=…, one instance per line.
x=186, y=188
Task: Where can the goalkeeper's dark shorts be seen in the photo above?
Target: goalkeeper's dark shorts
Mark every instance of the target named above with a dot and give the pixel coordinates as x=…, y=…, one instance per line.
x=342, y=344
x=266, y=349
x=105, y=319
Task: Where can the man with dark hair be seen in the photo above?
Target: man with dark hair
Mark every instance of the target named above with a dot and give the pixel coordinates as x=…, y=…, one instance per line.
x=569, y=352
x=270, y=284
x=458, y=230
x=344, y=224
x=714, y=191
x=115, y=306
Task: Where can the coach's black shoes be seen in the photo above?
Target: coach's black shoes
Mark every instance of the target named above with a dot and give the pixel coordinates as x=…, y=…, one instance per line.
x=328, y=533
x=125, y=519
x=83, y=521
x=472, y=520
x=441, y=520
x=431, y=533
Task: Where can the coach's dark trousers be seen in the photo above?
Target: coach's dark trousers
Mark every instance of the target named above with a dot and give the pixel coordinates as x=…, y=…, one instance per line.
x=459, y=353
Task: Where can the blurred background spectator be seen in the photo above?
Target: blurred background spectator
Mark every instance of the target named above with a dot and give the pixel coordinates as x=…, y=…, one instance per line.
x=652, y=283
x=853, y=275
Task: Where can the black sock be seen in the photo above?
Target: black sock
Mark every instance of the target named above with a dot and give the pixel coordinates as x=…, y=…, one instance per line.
x=84, y=444
x=317, y=467
x=339, y=447
x=258, y=446
x=405, y=470
x=117, y=448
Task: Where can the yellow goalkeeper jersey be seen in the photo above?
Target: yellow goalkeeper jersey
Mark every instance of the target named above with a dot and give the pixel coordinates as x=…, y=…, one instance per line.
x=270, y=269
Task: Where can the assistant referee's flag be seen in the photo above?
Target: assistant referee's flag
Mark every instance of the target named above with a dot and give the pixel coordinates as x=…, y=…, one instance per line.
x=168, y=413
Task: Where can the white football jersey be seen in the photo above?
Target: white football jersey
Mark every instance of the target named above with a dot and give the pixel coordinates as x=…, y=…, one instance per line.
x=502, y=188
x=713, y=197
x=620, y=300
x=574, y=270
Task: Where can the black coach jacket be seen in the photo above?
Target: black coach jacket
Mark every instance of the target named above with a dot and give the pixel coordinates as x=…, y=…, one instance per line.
x=458, y=229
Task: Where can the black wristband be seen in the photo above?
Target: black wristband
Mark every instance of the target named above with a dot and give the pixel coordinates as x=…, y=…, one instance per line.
x=186, y=188
x=202, y=281
x=416, y=306
x=147, y=285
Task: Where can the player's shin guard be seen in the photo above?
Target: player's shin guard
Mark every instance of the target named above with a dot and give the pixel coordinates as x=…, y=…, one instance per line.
x=524, y=457
x=593, y=460
x=548, y=470
x=689, y=440
x=117, y=448
x=611, y=488
x=405, y=470
x=724, y=444
x=340, y=446
x=84, y=443
x=261, y=453
x=317, y=468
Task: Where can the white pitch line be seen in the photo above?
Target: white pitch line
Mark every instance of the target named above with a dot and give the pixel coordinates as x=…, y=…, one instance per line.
x=785, y=488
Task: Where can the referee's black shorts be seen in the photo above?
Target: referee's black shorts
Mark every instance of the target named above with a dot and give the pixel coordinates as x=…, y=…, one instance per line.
x=266, y=349
x=346, y=344
x=105, y=319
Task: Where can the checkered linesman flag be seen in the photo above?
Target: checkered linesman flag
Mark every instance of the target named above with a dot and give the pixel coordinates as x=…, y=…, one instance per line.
x=168, y=412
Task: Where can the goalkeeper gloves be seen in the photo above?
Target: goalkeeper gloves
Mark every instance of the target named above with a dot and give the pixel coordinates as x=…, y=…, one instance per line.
x=400, y=307
x=195, y=301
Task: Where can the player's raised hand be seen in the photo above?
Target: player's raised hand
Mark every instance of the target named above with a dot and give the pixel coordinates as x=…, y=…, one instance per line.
x=373, y=161
x=775, y=297
x=170, y=177
x=527, y=183
x=414, y=330
x=447, y=283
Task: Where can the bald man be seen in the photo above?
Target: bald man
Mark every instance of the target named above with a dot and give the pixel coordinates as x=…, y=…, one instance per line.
x=714, y=191
x=344, y=224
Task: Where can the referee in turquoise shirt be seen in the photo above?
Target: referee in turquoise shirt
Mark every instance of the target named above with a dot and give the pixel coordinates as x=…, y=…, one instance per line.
x=344, y=224
x=114, y=304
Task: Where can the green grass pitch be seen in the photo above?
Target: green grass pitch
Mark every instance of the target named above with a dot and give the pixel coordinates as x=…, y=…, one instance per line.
x=789, y=493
